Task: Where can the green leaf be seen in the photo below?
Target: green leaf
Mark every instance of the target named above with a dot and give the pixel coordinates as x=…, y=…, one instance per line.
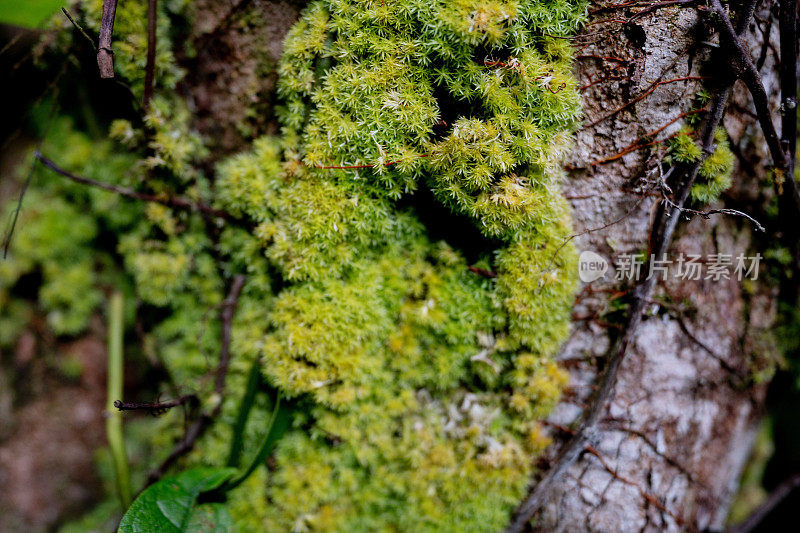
x=237, y=441
x=279, y=422
x=27, y=13
x=171, y=504
x=211, y=517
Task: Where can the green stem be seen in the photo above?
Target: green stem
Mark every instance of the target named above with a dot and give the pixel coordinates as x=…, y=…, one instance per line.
x=116, y=441
x=237, y=441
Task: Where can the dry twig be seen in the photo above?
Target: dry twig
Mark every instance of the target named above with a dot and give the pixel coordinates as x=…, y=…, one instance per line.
x=155, y=408
x=773, y=500
x=105, y=55
x=748, y=73
x=176, y=202
x=196, y=430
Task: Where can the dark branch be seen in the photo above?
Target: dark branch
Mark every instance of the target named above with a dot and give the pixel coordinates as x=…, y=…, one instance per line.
x=199, y=426
x=788, y=74
x=105, y=55
x=15, y=217
x=776, y=497
x=176, y=202
x=788, y=204
x=155, y=408
x=194, y=432
x=228, y=310
x=751, y=78
x=79, y=28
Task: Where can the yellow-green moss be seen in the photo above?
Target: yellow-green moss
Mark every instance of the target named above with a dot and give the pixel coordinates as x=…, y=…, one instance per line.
x=426, y=380
x=55, y=237
x=714, y=176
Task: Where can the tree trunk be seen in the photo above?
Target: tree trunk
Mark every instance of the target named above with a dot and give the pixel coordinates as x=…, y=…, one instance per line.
x=677, y=430
x=679, y=427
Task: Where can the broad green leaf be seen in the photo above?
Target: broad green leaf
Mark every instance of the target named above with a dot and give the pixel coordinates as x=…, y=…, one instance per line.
x=27, y=13
x=211, y=518
x=170, y=506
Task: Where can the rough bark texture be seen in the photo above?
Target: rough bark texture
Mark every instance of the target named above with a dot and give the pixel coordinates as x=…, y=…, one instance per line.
x=230, y=83
x=679, y=427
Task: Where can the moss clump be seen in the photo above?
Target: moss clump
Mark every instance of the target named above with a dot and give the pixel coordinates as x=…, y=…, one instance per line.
x=401, y=350
x=715, y=172
x=473, y=99
x=424, y=380
x=714, y=176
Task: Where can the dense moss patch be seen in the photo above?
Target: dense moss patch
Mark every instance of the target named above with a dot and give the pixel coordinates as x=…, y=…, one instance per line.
x=429, y=377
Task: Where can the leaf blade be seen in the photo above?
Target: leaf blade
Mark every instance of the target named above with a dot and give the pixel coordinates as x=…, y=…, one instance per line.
x=169, y=505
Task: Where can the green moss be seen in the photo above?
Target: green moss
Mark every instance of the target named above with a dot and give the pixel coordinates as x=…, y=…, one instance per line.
x=715, y=172
x=683, y=148
x=425, y=379
x=15, y=314
x=714, y=176
x=56, y=234
x=366, y=84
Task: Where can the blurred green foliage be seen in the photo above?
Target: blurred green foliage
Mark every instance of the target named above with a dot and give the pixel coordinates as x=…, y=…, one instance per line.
x=28, y=13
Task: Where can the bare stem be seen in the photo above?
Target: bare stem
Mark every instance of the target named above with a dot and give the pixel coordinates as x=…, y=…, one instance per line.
x=199, y=426
x=781, y=156
x=177, y=202
x=788, y=73
x=773, y=500
x=116, y=440
x=155, y=408
x=105, y=55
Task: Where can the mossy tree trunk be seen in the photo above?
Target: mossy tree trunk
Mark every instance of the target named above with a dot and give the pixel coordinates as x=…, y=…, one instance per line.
x=677, y=432
x=679, y=427
x=674, y=435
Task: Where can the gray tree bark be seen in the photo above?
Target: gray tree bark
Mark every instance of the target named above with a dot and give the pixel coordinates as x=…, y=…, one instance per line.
x=679, y=427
